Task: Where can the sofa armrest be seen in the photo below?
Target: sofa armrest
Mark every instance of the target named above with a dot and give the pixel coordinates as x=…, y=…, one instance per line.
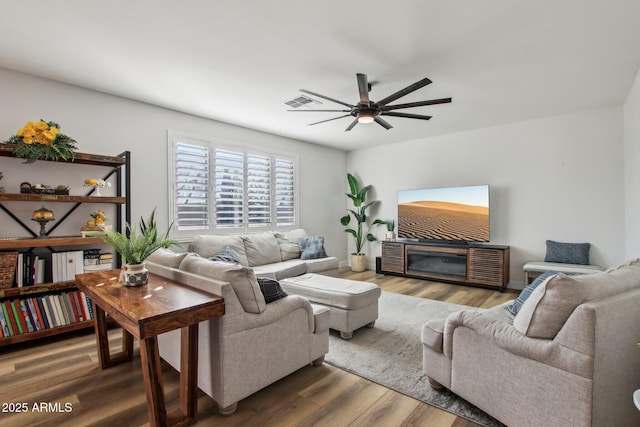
x=504, y=335
x=274, y=312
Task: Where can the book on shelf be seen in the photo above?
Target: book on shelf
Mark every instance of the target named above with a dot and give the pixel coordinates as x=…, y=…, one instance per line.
x=85, y=230
x=98, y=267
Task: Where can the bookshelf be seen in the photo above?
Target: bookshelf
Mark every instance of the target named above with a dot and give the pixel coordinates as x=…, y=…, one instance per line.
x=58, y=307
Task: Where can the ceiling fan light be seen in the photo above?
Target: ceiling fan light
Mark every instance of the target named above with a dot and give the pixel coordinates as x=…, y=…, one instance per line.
x=365, y=117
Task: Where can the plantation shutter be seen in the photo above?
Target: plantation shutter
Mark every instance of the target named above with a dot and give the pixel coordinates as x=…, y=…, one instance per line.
x=229, y=195
x=285, y=192
x=258, y=190
x=191, y=187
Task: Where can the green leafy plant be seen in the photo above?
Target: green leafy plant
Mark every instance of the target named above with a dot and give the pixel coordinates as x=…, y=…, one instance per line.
x=391, y=224
x=137, y=243
x=358, y=196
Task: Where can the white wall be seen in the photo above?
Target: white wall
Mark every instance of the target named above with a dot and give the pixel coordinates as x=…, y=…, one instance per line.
x=632, y=169
x=558, y=178
x=108, y=124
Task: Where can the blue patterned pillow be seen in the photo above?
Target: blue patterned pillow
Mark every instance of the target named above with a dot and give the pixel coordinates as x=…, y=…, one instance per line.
x=227, y=255
x=526, y=292
x=270, y=289
x=567, y=253
x=312, y=247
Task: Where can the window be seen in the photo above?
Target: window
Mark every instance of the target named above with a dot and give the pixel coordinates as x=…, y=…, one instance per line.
x=218, y=188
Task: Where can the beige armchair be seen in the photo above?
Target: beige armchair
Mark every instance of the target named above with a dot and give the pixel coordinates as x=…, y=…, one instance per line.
x=568, y=358
x=244, y=351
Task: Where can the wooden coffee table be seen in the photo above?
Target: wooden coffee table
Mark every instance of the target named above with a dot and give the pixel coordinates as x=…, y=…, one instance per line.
x=145, y=312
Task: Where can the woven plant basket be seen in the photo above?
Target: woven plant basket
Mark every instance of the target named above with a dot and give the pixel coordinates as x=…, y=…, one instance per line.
x=8, y=263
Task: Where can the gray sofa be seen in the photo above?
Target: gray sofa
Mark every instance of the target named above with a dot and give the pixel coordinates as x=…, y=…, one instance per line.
x=271, y=254
x=254, y=343
x=567, y=358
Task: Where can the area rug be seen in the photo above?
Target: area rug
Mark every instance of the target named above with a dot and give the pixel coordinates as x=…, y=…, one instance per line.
x=390, y=354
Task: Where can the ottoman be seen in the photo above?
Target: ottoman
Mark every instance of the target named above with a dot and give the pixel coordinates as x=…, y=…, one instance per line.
x=351, y=303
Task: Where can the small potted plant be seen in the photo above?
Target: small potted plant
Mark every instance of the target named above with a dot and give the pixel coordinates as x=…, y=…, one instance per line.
x=391, y=226
x=134, y=246
x=358, y=196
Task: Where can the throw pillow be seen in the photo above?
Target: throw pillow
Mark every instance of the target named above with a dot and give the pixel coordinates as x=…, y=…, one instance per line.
x=271, y=289
x=567, y=253
x=227, y=255
x=312, y=247
x=514, y=308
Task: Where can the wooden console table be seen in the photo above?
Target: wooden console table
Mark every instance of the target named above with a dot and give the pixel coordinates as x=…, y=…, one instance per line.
x=145, y=312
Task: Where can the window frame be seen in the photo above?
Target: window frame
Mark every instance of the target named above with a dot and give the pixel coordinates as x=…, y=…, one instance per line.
x=211, y=144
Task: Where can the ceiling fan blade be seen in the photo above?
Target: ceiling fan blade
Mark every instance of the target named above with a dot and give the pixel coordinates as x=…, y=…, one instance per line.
x=416, y=104
x=328, y=120
x=383, y=123
x=363, y=88
x=407, y=90
x=319, y=111
x=326, y=97
x=406, y=115
x=352, y=125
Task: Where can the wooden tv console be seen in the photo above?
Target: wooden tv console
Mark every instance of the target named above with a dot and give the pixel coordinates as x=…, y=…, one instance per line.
x=474, y=264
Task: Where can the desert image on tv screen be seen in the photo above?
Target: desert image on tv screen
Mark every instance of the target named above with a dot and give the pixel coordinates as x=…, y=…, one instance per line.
x=460, y=213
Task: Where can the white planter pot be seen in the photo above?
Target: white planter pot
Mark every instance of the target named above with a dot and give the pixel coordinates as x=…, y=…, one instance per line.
x=358, y=262
x=134, y=274
x=390, y=235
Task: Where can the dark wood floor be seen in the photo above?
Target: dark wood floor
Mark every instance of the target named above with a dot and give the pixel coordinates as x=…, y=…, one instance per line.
x=60, y=377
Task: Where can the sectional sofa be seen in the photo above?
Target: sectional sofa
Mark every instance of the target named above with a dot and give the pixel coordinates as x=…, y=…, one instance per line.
x=277, y=255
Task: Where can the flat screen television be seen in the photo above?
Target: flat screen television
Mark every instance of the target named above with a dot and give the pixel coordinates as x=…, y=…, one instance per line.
x=454, y=214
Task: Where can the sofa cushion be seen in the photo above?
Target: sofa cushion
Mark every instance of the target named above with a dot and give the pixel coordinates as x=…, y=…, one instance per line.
x=312, y=247
x=281, y=270
x=288, y=242
x=167, y=257
x=242, y=279
x=567, y=253
x=261, y=248
x=271, y=289
x=514, y=308
x=549, y=306
x=227, y=255
x=320, y=265
x=208, y=245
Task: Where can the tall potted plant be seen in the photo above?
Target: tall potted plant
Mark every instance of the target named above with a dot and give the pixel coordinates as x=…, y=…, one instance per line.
x=358, y=196
x=134, y=246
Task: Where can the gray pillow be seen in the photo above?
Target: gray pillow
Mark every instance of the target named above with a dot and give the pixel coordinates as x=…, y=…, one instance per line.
x=312, y=247
x=567, y=253
x=227, y=255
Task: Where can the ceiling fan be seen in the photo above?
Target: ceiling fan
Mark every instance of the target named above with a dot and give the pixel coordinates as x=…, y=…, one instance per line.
x=367, y=111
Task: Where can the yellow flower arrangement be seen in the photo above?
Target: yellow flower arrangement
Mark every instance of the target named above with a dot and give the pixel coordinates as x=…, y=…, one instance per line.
x=43, y=140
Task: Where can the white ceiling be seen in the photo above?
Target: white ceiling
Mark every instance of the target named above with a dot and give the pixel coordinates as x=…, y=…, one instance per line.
x=237, y=60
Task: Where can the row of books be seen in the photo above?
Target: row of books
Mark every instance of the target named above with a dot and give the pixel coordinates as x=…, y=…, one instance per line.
x=37, y=313
x=33, y=269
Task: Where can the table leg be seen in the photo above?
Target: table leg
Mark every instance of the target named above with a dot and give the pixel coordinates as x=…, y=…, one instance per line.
x=102, y=338
x=189, y=371
x=152, y=374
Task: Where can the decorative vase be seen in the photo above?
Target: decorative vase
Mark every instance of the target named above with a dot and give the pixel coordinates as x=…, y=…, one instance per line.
x=134, y=274
x=390, y=236
x=358, y=262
